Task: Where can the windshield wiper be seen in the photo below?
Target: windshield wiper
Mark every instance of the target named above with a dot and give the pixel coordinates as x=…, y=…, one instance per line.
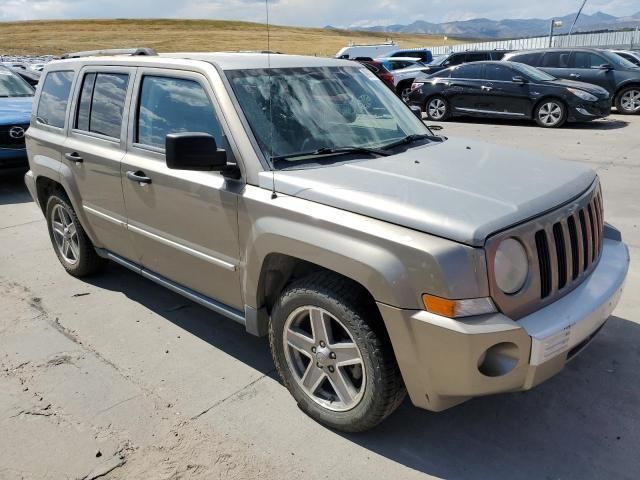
x=328, y=151
x=411, y=139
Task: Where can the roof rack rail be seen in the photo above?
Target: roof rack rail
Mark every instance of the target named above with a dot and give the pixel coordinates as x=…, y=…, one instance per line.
x=109, y=52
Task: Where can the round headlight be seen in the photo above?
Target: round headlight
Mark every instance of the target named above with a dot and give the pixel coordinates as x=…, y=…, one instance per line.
x=511, y=266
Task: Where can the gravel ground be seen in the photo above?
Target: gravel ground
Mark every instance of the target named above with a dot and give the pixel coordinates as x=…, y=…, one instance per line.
x=115, y=377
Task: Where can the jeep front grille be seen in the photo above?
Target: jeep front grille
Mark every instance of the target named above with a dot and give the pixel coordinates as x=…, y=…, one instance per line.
x=563, y=248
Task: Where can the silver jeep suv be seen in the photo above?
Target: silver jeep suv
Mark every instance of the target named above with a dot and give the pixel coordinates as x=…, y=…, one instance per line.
x=301, y=198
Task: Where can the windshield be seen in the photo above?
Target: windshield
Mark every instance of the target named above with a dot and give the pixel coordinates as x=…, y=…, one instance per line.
x=13, y=86
x=533, y=72
x=321, y=108
x=620, y=61
x=438, y=59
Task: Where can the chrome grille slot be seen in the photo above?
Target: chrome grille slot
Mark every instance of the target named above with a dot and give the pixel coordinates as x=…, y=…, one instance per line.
x=544, y=263
x=564, y=247
x=575, y=254
x=561, y=254
x=586, y=249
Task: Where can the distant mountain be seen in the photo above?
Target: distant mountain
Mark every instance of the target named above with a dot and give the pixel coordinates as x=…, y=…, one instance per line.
x=510, y=28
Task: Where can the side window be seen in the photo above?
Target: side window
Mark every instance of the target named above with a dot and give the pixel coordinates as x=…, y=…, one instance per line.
x=101, y=103
x=456, y=59
x=586, y=60
x=477, y=57
x=172, y=105
x=498, y=73
x=528, y=58
x=52, y=106
x=555, y=60
x=471, y=71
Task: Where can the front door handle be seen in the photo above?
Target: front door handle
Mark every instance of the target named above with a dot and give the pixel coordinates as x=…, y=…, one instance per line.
x=486, y=88
x=574, y=75
x=138, y=176
x=74, y=157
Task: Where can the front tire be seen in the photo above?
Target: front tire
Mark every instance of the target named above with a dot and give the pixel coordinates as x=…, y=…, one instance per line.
x=333, y=354
x=437, y=109
x=628, y=101
x=550, y=113
x=70, y=242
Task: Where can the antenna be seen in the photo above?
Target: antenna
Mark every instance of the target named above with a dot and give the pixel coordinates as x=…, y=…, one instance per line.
x=274, y=195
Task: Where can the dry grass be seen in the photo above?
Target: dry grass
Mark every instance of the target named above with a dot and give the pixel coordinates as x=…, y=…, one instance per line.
x=56, y=37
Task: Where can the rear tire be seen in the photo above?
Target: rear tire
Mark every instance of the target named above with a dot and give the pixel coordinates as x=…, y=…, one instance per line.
x=342, y=371
x=70, y=242
x=437, y=109
x=550, y=113
x=628, y=101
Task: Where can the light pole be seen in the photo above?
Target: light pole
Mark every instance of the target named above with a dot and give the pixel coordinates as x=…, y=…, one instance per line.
x=554, y=24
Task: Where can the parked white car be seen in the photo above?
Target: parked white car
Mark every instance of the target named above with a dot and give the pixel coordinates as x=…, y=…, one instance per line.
x=354, y=51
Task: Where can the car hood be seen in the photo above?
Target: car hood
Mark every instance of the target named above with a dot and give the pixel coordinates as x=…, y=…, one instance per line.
x=461, y=190
x=587, y=87
x=15, y=110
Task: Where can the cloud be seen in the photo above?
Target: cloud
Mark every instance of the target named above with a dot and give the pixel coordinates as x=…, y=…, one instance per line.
x=305, y=12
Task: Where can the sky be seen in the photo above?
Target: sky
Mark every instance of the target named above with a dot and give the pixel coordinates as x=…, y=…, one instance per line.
x=310, y=13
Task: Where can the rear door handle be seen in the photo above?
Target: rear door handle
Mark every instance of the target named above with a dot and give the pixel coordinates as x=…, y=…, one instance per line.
x=138, y=176
x=574, y=75
x=486, y=88
x=74, y=157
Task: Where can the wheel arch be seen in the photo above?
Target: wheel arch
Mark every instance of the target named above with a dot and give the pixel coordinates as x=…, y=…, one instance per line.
x=403, y=84
x=625, y=85
x=45, y=187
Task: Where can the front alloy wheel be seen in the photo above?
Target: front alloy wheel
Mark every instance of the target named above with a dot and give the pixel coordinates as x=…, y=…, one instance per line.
x=325, y=361
x=628, y=101
x=332, y=351
x=550, y=114
x=437, y=109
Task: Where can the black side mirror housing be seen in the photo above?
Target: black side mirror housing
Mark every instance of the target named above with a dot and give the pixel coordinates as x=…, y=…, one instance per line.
x=606, y=66
x=519, y=79
x=417, y=111
x=194, y=151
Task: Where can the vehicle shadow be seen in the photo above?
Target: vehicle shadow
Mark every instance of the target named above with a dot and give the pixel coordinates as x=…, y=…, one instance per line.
x=610, y=123
x=13, y=190
x=219, y=332
x=581, y=424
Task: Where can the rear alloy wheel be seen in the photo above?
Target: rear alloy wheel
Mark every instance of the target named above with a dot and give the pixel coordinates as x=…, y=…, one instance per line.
x=551, y=114
x=404, y=94
x=70, y=242
x=628, y=101
x=437, y=109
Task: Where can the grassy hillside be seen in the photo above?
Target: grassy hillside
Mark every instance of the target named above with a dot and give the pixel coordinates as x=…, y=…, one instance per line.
x=56, y=37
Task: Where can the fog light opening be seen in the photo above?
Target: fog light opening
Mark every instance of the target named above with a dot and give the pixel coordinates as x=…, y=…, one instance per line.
x=498, y=360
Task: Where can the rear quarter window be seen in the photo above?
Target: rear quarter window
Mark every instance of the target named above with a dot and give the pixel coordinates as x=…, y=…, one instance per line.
x=52, y=106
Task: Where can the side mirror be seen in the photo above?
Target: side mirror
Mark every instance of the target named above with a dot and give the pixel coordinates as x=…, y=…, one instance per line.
x=606, y=66
x=417, y=111
x=519, y=79
x=194, y=151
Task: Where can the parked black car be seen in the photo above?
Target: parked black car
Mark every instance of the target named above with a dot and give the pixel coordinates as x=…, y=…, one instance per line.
x=451, y=60
x=508, y=90
x=600, y=67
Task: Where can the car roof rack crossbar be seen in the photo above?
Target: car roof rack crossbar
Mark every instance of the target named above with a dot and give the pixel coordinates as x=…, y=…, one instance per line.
x=110, y=52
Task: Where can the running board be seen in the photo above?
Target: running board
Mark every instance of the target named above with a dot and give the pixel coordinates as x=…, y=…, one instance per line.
x=192, y=295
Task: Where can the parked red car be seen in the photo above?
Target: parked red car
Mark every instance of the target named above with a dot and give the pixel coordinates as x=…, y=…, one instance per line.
x=379, y=70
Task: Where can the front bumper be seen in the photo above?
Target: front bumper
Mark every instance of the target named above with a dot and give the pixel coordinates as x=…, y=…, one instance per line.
x=13, y=159
x=445, y=362
x=585, y=111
